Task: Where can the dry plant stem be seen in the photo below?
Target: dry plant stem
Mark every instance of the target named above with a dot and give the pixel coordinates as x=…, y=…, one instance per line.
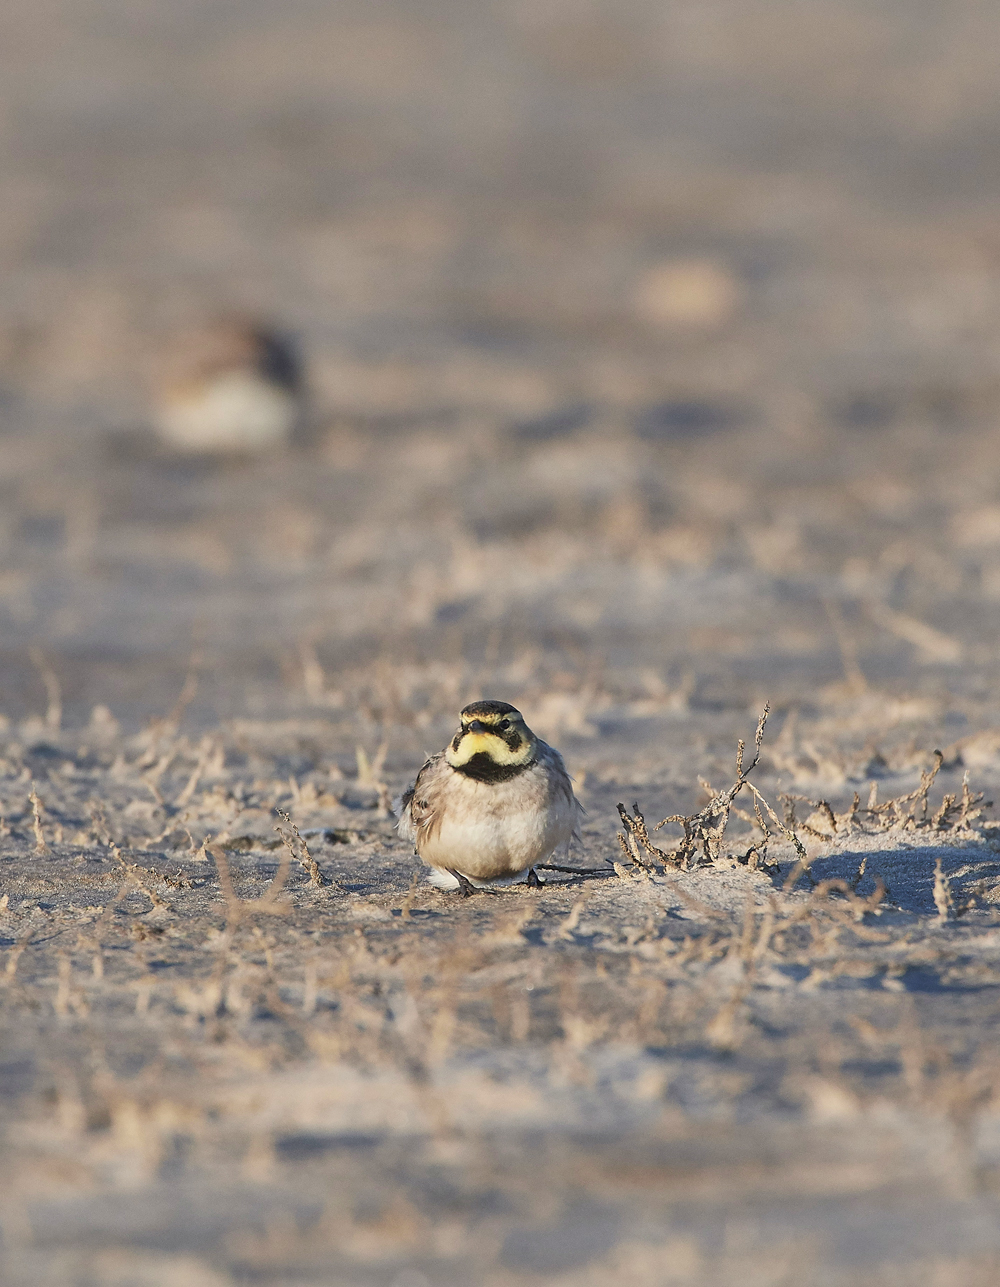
x=187, y=695
x=36, y=814
x=99, y=829
x=636, y=835
x=369, y=771
x=758, y=932
x=14, y=956
x=910, y=812
x=854, y=676
x=192, y=783
x=856, y=907
x=313, y=676
x=167, y=726
x=53, y=689
x=298, y=849
x=695, y=904
x=572, y=920
x=136, y=872
x=237, y=909
x=943, y=898
x=95, y=939
x=411, y=895
x=802, y=864
x=704, y=830
x=749, y=948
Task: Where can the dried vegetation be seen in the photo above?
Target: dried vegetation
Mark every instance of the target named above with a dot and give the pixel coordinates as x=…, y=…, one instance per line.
x=209, y=963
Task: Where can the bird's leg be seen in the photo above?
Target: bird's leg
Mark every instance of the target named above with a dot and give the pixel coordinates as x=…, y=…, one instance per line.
x=464, y=884
x=532, y=880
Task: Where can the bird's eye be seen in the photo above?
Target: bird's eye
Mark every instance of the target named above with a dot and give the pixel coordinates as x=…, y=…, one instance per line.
x=504, y=725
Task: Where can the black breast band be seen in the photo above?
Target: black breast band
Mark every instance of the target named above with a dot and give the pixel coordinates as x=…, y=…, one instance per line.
x=483, y=768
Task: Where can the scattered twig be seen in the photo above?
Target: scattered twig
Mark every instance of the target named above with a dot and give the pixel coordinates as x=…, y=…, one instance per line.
x=298, y=848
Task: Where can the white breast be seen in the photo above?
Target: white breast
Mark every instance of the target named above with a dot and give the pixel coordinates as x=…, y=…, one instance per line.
x=237, y=410
x=490, y=831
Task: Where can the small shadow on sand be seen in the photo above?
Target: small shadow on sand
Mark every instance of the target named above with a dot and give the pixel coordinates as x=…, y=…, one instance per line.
x=908, y=874
x=684, y=419
x=305, y=1145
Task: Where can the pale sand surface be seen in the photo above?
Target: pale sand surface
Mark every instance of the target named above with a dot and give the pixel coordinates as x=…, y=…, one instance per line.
x=654, y=356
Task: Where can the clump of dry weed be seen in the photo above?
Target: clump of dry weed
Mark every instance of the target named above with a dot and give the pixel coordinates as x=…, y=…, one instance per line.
x=704, y=831
x=955, y=816
x=702, y=845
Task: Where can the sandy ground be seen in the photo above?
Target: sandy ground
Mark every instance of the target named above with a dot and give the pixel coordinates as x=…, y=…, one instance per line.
x=653, y=356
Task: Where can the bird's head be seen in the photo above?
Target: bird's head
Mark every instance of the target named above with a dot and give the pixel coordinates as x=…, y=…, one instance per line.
x=493, y=742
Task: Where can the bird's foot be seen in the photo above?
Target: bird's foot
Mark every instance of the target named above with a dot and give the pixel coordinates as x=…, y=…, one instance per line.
x=533, y=880
x=464, y=884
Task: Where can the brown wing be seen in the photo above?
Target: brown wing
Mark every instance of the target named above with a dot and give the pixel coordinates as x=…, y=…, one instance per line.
x=561, y=782
x=419, y=805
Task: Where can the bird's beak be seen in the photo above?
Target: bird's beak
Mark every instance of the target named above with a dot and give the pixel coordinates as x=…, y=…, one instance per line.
x=476, y=726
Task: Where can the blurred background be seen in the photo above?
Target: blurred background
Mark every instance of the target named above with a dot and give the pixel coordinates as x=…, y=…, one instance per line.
x=635, y=361
x=642, y=353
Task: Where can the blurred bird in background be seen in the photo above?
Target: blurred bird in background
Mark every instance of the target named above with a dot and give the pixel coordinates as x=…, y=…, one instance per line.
x=232, y=387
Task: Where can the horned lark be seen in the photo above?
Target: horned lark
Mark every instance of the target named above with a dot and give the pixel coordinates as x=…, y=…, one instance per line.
x=489, y=806
x=230, y=387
